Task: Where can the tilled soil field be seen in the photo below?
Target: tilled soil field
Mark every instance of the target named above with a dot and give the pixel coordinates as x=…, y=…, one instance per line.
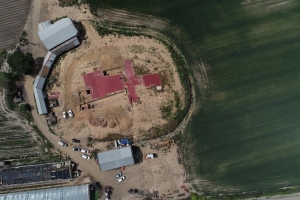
x=13, y=14
x=15, y=142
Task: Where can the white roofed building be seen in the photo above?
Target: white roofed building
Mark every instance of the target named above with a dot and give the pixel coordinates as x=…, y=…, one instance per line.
x=58, y=37
x=115, y=158
x=57, y=33
x=44, y=24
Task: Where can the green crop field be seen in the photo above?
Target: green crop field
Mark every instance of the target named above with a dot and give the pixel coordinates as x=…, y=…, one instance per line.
x=247, y=127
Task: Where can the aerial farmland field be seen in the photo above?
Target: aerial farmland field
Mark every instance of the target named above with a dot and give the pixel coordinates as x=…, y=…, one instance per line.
x=246, y=127
x=13, y=14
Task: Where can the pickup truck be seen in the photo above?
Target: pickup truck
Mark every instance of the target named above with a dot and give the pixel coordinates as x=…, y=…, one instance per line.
x=62, y=143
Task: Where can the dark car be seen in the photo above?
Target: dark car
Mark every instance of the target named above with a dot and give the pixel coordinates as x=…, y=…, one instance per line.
x=76, y=149
x=98, y=186
x=75, y=140
x=91, y=187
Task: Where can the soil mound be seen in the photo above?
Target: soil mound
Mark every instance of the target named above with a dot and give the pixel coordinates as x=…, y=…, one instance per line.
x=98, y=121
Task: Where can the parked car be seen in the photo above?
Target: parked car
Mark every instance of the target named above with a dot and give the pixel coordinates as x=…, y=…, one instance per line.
x=98, y=186
x=85, y=151
x=70, y=113
x=62, y=143
x=75, y=140
x=65, y=115
x=149, y=156
x=76, y=173
x=86, y=156
x=76, y=149
x=122, y=178
x=119, y=175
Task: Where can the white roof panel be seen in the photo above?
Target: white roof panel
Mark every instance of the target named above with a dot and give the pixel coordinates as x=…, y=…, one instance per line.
x=57, y=33
x=39, y=82
x=63, y=193
x=66, y=46
x=49, y=59
x=44, y=25
x=115, y=158
x=40, y=101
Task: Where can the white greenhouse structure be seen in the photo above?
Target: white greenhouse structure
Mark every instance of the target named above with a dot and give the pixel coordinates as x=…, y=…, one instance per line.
x=63, y=193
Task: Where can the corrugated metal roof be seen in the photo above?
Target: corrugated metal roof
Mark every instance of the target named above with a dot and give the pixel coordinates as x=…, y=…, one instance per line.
x=40, y=101
x=62, y=193
x=39, y=82
x=115, y=158
x=58, y=33
x=49, y=59
x=44, y=25
x=66, y=46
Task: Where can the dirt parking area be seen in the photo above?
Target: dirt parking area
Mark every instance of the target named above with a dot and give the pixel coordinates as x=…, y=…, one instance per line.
x=163, y=175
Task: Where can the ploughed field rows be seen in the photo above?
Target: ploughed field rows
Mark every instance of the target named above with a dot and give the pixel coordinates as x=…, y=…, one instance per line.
x=15, y=142
x=13, y=14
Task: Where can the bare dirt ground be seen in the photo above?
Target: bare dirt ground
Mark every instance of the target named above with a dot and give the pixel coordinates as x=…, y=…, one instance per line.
x=108, y=53
x=163, y=174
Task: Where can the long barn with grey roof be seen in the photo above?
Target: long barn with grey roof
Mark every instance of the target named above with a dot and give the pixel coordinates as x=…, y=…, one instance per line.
x=58, y=37
x=115, y=158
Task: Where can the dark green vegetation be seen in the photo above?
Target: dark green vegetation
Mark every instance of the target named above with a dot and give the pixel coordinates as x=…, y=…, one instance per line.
x=246, y=132
x=248, y=195
x=20, y=63
x=24, y=111
x=8, y=82
x=15, y=143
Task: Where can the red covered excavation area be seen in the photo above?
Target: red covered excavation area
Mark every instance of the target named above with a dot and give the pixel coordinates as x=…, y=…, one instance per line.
x=101, y=86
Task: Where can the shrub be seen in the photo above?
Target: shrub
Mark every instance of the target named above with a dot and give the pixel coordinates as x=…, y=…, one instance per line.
x=20, y=63
x=25, y=111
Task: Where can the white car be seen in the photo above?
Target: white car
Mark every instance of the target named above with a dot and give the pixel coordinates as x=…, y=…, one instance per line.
x=86, y=156
x=65, y=115
x=70, y=113
x=119, y=175
x=122, y=178
x=85, y=151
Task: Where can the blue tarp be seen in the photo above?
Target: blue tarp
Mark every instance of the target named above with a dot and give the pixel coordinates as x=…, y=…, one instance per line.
x=124, y=141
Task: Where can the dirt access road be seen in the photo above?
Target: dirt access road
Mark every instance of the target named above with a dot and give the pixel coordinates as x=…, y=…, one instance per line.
x=162, y=174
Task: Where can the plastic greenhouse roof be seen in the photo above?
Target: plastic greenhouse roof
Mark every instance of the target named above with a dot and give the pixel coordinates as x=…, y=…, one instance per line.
x=63, y=193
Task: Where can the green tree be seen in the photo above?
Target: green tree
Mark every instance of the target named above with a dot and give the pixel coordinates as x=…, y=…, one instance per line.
x=25, y=107
x=7, y=80
x=24, y=111
x=20, y=63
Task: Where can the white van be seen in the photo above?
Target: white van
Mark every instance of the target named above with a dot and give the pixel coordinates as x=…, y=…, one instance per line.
x=62, y=143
